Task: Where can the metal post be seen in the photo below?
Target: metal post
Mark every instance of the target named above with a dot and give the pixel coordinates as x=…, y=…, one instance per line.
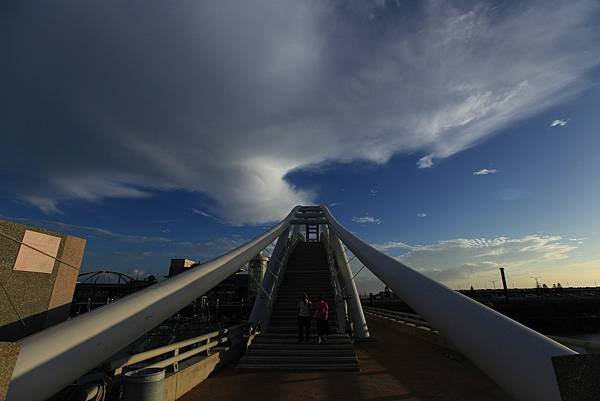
x=53, y=358
x=361, y=330
x=516, y=357
x=504, y=283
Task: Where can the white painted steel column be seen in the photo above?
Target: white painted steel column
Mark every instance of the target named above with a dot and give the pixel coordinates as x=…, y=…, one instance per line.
x=261, y=310
x=53, y=358
x=340, y=302
x=357, y=316
x=516, y=357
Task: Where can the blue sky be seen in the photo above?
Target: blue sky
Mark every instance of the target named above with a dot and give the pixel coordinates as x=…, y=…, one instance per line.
x=210, y=121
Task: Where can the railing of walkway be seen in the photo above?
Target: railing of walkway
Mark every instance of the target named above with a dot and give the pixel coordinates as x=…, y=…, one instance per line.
x=517, y=358
x=417, y=321
x=340, y=302
x=401, y=317
x=171, y=355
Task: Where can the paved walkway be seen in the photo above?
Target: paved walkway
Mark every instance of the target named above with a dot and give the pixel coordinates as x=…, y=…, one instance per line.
x=394, y=367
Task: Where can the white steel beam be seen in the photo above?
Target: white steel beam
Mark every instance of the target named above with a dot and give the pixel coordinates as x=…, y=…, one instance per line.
x=53, y=358
x=516, y=357
x=357, y=316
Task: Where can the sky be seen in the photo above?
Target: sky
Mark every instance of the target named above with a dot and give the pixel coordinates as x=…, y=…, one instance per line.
x=456, y=136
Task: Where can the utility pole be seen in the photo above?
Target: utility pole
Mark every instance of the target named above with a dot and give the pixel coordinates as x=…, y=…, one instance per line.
x=503, y=276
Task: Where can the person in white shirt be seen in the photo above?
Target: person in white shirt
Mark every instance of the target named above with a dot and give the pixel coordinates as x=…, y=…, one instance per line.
x=304, y=318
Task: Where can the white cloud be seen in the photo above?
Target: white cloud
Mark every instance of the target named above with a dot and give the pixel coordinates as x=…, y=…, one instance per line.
x=512, y=194
x=421, y=214
x=559, y=123
x=138, y=274
x=485, y=171
x=425, y=162
x=451, y=261
x=374, y=192
x=239, y=95
x=366, y=220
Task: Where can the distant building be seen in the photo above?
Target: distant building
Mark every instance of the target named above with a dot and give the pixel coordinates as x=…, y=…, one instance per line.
x=95, y=289
x=181, y=265
x=256, y=270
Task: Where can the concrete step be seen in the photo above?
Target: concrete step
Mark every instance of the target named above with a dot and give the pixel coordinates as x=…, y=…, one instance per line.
x=299, y=359
x=294, y=330
x=283, y=324
x=292, y=339
x=295, y=345
x=293, y=319
x=287, y=367
x=331, y=353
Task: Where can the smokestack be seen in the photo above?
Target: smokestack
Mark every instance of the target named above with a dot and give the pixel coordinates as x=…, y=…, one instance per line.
x=504, y=283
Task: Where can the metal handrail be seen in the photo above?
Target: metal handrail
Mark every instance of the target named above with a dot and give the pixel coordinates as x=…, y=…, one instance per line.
x=280, y=267
x=208, y=341
x=491, y=340
x=338, y=290
x=589, y=346
x=87, y=340
x=401, y=317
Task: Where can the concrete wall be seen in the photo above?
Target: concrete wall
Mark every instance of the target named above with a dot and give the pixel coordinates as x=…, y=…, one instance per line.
x=36, y=288
x=8, y=358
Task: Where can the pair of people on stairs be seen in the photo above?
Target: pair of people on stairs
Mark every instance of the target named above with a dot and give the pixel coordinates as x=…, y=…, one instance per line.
x=321, y=315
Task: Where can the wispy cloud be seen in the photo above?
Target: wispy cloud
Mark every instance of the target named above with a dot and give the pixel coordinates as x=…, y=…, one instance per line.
x=234, y=127
x=559, y=123
x=334, y=204
x=366, y=220
x=485, y=171
x=421, y=214
x=374, y=192
x=98, y=232
x=456, y=259
x=209, y=215
x=202, y=213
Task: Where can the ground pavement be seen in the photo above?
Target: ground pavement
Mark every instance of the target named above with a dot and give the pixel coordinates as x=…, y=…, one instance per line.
x=394, y=367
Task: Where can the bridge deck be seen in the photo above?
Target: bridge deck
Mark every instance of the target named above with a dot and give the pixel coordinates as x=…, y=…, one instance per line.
x=395, y=367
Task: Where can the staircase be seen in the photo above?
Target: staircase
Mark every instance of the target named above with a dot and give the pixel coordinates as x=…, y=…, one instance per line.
x=279, y=349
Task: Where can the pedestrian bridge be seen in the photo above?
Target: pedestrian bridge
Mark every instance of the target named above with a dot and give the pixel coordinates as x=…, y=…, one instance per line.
x=310, y=256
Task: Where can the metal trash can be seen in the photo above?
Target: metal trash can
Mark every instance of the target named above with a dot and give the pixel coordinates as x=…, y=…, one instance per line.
x=146, y=384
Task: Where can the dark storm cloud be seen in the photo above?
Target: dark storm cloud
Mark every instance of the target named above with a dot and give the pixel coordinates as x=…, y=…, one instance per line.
x=117, y=99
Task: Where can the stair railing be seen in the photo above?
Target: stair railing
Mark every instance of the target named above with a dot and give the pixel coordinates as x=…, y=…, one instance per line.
x=339, y=298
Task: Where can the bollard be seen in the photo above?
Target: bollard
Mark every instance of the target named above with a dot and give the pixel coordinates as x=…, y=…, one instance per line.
x=146, y=384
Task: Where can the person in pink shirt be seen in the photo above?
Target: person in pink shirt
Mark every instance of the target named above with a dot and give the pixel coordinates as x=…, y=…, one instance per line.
x=321, y=316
